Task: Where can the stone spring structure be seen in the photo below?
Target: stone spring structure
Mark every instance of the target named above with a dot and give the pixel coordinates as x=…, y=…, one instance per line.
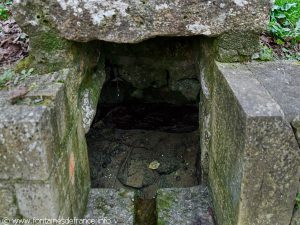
x=249, y=111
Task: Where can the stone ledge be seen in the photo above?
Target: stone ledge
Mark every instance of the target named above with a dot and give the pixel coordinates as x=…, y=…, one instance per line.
x=114, y=206
x=251, y=95
x=184, y=206
x=281, y=79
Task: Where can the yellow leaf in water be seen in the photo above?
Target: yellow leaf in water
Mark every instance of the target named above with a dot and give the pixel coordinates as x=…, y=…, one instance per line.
x=154, y=165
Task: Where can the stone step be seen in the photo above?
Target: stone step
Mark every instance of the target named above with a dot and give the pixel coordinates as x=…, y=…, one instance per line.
x=184, y=206
x=110, y=206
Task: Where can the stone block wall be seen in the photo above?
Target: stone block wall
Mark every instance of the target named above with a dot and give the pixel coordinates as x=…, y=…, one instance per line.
x=44, y=163
x=251, y=153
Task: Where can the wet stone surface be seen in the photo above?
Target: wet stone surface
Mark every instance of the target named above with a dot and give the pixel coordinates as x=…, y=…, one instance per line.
x=144, y=159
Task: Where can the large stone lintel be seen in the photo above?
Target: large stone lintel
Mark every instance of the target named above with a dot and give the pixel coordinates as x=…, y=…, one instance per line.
x=127, y=21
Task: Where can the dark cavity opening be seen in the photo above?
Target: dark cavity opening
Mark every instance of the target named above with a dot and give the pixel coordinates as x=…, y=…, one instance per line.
x=145, y=134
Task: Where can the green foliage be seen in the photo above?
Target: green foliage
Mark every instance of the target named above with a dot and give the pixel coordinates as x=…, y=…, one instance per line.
x=265, y=54
x=10, y=77
x=285, y=21
x=24, y=74
x=291, y=55
x=6, y=77
x=4, y=11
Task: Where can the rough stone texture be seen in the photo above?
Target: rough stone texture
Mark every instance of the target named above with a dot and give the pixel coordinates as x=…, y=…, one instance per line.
x=89, y=94
x=184, y=206
x=51, y=175
x=26, y=143
x=282, y=80
x=253, y=154
x=157, y=70
x=38, y=201
x=109, y=206
x=8, y=208
x=46, y=127
x=296, y=218
x=205, y=66
x=236, y=46
x=132, y=21
x=34, y=150
x=296, y=126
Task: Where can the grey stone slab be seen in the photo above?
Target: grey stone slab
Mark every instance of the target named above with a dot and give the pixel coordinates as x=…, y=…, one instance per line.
x=254, y=99
x=8, y=208
x=109, y=206
x=29, y=128
x=37, y=200
x=133, y=21
x=254, y=157
x=296, y=125
x=26, y=142
x=184, y=206
x=4, y=96
x=31, y=131
x=282, y=80
x=64, y=194
x=296, y=218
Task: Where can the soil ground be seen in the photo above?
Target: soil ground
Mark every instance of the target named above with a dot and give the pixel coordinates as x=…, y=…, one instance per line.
x=14, y=44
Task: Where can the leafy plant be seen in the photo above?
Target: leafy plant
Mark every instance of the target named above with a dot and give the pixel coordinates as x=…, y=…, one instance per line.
x=285, y=21
x=266, y=54
x=26, y=73
x=4, y=11
x=7, y=76
x=282, y=41
x=23, y=75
